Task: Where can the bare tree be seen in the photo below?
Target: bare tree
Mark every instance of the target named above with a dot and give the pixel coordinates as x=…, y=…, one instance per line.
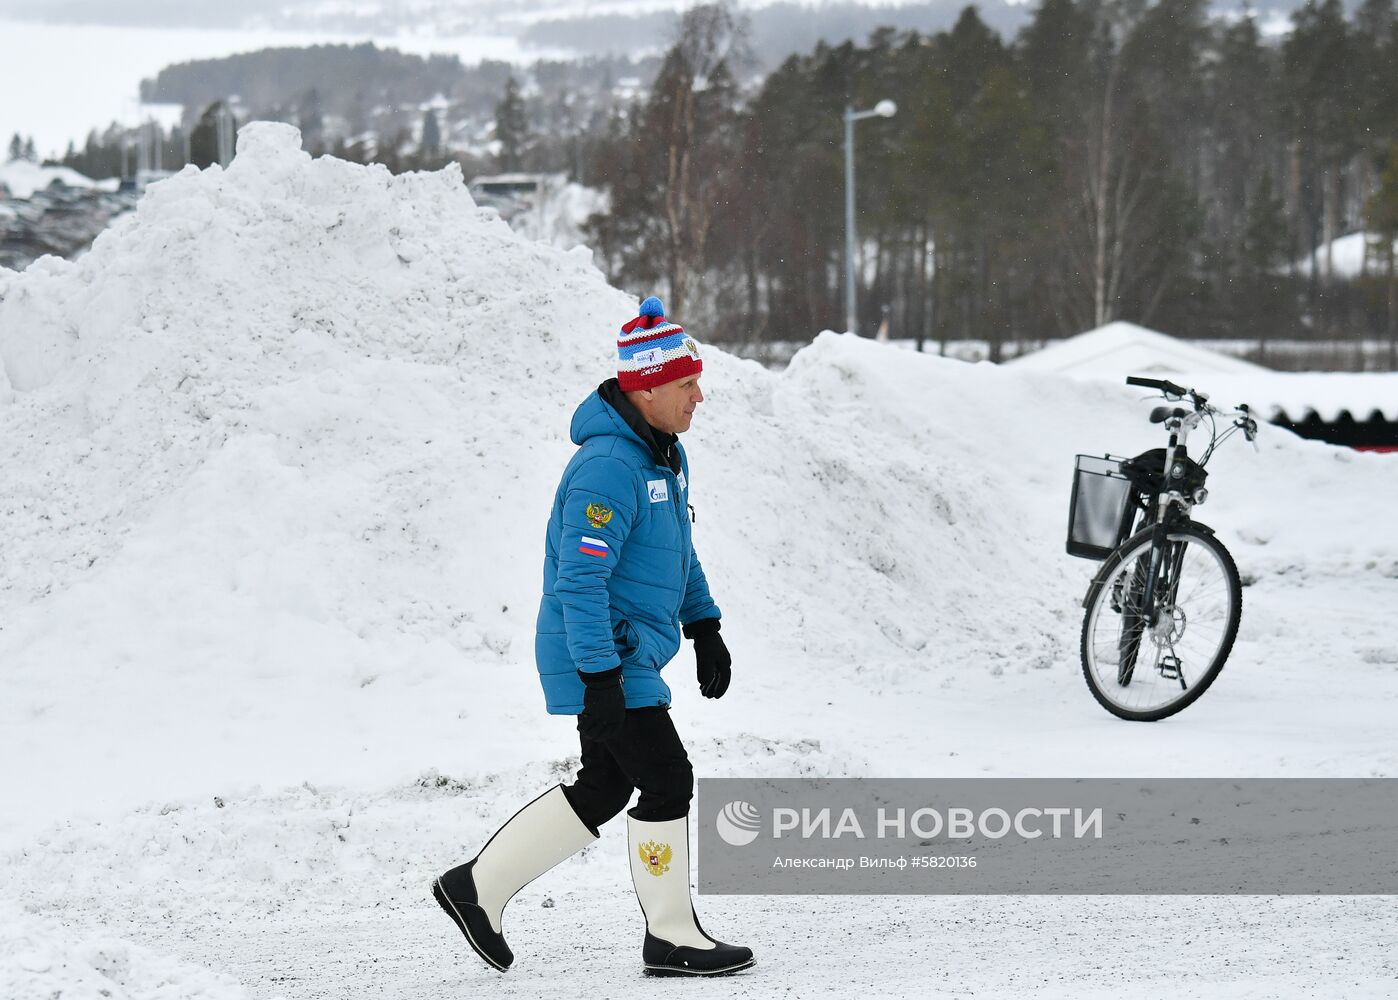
x=693, y=109
x=1124, y=214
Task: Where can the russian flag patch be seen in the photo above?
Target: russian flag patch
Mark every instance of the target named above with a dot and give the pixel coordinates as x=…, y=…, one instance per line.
x=594, y=547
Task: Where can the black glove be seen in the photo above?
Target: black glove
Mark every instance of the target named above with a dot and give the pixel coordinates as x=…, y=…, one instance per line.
x=711, y=657
x=604, y=705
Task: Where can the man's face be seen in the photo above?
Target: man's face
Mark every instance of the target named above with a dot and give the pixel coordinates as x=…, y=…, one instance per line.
x=670, y=407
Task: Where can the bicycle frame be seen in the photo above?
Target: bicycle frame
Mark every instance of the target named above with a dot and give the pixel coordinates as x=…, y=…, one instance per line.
x=1179, y=425
x=1173, y=507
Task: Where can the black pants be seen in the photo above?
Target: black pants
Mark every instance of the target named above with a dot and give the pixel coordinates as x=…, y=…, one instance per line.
x=647, y=754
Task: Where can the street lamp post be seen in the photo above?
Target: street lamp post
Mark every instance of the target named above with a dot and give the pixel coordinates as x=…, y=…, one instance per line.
x=884, y=109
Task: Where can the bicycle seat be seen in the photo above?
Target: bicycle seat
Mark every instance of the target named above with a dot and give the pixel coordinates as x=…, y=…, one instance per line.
x=1163, y=413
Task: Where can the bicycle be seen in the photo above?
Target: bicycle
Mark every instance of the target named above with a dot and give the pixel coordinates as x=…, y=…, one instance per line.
x=1162, y=612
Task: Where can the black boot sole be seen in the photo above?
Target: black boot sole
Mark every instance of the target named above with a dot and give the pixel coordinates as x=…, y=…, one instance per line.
x=450, y=909
x=672, y=971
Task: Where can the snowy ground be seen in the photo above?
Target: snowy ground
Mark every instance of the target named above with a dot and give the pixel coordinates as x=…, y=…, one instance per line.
x=275, y=459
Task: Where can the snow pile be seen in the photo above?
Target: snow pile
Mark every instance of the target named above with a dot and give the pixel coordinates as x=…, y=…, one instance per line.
x=40, y=959
x=1347, y=257
x=282, y=434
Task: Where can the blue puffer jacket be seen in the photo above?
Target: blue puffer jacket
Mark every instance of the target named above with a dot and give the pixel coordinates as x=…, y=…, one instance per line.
x=620, y=573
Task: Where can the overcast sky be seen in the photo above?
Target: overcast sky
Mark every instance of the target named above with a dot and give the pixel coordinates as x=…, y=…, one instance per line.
x=367, y=14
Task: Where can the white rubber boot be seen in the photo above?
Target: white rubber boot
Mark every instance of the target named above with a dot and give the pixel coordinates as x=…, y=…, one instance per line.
x=535, y=839
x=675, y=943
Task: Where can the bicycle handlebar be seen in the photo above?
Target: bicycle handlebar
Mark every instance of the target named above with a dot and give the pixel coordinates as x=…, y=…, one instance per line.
x=1201, y=401
x=1157, y=383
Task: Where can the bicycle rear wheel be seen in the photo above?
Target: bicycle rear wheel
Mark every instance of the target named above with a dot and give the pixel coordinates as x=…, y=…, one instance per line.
x=1145, y=664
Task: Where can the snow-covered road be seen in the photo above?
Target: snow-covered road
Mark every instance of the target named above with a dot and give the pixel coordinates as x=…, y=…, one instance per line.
x=323, y=895
x=312, y=892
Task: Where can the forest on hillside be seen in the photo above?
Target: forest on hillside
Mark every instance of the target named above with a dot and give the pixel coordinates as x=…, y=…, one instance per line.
x=1112, y=159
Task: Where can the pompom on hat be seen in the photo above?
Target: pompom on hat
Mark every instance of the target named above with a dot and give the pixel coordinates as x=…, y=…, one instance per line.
x=652, y=351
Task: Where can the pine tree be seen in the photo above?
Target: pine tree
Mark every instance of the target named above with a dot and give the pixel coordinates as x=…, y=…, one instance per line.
x=1262, y=303
x=1242, y=122
x=1054, y=56
x=16, y=147
x=203, y=141
x=430, y=146
x=1319, y=88
x=511, y=127
x=1381, y=219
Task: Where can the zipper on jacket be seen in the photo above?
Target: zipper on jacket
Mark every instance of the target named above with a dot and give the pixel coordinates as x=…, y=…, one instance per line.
x=679, y=517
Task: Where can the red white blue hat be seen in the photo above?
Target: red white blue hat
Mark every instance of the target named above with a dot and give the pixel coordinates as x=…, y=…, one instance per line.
x=652, y=351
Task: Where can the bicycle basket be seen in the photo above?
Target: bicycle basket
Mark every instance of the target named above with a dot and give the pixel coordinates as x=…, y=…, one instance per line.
x=1100, y=512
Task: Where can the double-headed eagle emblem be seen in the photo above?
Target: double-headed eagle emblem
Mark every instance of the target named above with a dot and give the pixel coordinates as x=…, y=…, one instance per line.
x=598, y=515
x=656, y=857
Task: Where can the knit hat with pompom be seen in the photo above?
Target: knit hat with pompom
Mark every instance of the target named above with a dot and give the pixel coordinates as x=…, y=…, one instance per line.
x=652, y=351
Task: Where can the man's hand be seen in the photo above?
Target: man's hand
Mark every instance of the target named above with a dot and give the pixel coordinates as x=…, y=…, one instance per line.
x=604, y=705
x=715, y=666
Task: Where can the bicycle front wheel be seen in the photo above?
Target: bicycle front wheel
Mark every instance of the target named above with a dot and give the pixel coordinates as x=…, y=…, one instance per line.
x=1146, y=663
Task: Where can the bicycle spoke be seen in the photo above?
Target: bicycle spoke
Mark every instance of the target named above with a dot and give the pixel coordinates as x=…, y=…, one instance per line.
x=1144, y=669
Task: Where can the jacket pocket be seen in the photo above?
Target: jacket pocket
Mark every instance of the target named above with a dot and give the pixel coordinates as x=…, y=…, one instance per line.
x=626, y=639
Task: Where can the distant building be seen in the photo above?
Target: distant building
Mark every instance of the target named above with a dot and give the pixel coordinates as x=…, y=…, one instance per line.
x=59, y=219
x=544, y=207
x=1357, y=410
x=1120, y=349
x=512, y=194
x=23, y=179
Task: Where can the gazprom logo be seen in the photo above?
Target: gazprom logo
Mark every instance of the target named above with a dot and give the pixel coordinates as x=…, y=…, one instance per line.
x=738, y=823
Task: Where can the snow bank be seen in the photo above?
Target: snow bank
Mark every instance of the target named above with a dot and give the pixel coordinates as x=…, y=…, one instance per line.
x=1349, y=256
x=283, y=434
x=38, y=958
x=279, y=450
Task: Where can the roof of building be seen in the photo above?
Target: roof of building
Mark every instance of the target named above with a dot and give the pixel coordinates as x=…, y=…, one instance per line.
x=1123, y=349
x=1298, y=395
x=1120, y=349
x=24, y=178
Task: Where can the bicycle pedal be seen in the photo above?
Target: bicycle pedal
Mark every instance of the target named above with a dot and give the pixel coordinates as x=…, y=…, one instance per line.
x=1170, y=667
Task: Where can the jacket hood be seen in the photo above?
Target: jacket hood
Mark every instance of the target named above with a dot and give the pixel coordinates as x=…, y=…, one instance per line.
x=608, y=413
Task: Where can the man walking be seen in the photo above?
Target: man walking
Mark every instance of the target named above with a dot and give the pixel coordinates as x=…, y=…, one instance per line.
x=621, y=580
